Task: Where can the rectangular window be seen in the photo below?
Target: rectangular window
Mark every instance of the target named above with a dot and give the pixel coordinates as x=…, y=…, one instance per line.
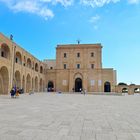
x=65, y=66
x=92, y=54
x=65, y=55
x=92, y=66
x=78, y=54
x=78, y=66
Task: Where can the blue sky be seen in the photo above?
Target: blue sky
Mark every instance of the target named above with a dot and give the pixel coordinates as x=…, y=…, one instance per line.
x=39, y=25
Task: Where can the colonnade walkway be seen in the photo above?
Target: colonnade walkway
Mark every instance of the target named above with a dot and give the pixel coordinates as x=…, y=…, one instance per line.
x=46, y=116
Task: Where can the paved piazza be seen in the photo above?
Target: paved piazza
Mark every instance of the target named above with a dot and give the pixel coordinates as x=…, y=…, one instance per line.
x=45, y=116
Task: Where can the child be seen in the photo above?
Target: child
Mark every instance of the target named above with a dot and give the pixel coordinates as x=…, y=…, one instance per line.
x=17, y=93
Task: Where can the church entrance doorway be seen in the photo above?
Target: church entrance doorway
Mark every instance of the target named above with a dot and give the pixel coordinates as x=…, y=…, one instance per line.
x=107, y=87
x=78, y=85
x=50, y=86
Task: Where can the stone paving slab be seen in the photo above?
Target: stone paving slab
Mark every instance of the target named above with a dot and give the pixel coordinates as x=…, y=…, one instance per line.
x=45, y=116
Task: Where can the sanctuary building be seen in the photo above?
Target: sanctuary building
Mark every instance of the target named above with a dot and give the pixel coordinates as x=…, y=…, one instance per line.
x=76, y=67
x=79, y=67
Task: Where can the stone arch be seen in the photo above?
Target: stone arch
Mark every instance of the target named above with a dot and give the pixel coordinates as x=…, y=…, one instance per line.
x=28, y=83
x=36, y=67
x=50, y=86
x=4, y=80
x=137, y=90
x=78, y=82
x=32, y=84
x=18, y=58
x=78, y=75
x=5, y=51
x=33, y=65
x=107, y=87
x=124, y=90
x=1, y=85
x=36, y=84
x=41, y=69
x=29, y=63
x=18, y=79
x=24, y=61
x=23, y=83
x=78, y=85
x=41, y=85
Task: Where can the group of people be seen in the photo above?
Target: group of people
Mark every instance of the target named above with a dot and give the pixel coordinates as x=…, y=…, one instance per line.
x=14, y=92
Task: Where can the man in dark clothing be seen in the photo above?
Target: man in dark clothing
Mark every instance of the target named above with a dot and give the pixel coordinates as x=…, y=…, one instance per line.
x=13, y=92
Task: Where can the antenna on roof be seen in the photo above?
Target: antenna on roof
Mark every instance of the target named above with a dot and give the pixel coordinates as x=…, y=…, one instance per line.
x=11, y=37
x=78, y=41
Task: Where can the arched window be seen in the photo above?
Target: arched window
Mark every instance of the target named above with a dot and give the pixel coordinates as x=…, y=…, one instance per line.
x=5, y=51
x=18, y=58
x=36, y=67
x=29, y=65
x=41, y=69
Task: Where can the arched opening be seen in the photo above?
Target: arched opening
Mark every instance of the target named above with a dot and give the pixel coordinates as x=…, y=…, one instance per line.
x=41, y=85
x=23, y=83
x=32, y=84
x=5, y=51
x=18, y=58
x=36, y=84
x=33, y=65
x=137, y=90
x=36, y=67
x=4, y=80
x=24, y=61
x=41, y=69
x=124, y=90
x=29, y=64
x=107, y=87
x=78, y=85
x=28, y=83
x=50, y=86
x=17, y=79
x=1, y=85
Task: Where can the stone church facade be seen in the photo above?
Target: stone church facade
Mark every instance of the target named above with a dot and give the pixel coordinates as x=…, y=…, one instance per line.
x=77, y=67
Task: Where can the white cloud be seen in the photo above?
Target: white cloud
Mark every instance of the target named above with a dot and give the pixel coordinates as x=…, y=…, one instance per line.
x=65, y=3
x=41, y=7
x=29, y=6
x=134, y=1
x=38, y=7
x=94, y=20
x=97, y=3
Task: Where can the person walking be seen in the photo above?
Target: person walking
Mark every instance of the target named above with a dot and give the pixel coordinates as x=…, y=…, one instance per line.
x=84, y=91
x=17, y=93
x=12, y=92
